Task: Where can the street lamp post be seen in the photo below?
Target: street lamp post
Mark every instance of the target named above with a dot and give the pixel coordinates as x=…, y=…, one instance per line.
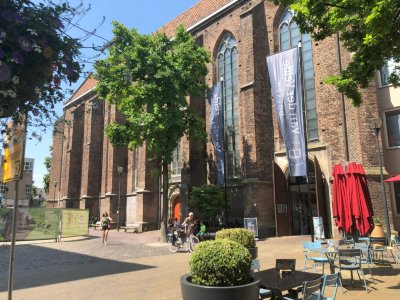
x=120, y=170
x=55, y=183
x=375, y=125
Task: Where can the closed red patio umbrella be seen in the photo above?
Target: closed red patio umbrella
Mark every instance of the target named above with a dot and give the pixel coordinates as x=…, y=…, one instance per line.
x=394, y=178
x=341, y=208
x=359, y=198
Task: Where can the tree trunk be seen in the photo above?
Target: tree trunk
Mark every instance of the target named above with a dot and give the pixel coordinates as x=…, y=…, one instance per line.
x=164, y=215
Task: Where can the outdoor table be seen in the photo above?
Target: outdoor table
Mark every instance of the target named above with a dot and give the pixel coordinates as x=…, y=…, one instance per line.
x=364, y=240
x=277, y=282
x=330, y=254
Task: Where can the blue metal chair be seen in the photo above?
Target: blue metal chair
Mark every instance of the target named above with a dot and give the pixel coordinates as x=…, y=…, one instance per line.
x=331, y=280
x=350, y=260
x=366, y=256
x=395, y=243
x=379, y=246
x=311, y=290
x=308, y=246
x=264, y=293
x=348, y=241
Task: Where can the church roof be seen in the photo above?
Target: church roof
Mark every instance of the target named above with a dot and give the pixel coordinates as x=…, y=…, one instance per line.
x=193, y=15
x=87, y=85
x=199, y=11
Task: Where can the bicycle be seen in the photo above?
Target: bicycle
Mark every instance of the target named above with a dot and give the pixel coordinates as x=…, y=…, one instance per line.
x=177, y=239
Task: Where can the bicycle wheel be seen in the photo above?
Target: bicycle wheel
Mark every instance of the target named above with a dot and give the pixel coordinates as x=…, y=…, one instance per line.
x=174, y=246
x=193, y=241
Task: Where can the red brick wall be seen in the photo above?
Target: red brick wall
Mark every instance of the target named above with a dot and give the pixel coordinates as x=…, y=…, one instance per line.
x=56, y=164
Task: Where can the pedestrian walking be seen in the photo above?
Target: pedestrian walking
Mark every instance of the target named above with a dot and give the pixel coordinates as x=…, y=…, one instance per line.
x=105, y=227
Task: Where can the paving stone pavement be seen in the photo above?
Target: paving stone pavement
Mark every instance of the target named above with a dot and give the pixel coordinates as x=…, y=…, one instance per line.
x=138, y=266
x=41, y=256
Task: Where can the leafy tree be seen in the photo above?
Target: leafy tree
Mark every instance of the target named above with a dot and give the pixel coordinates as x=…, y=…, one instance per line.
x=148, y=78
x=370, y=30
x=46, y=177
x=34, y=191
x=209, y=201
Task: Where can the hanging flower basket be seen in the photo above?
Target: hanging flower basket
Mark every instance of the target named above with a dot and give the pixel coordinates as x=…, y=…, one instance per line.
x=36, y=55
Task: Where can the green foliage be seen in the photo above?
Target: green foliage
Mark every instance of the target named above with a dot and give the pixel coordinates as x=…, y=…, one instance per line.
x=209, y=200
x=220, y=263
x=149, y=78
x=5, y=213
x=377, y=221
x=370, y=30
x=240, y=235
x=46, y=177
x=34, y=191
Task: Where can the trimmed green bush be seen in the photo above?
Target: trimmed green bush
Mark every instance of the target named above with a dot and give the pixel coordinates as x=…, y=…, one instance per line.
x=220, y=263
x=240, y=235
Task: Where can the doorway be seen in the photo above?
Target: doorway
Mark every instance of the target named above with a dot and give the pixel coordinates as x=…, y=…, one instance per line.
x=176, y=208
x=301, y=198
x=300, y=207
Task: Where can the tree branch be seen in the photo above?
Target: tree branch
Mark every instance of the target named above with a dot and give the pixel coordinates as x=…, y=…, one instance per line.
x=398, y=14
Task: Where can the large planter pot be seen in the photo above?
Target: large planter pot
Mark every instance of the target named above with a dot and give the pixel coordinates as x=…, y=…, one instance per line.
x=253, y=252
x=192, y=291
x=378, y=232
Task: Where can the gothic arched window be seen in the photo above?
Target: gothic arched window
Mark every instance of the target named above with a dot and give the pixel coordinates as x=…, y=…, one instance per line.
x=289, y=37
x=227, y=68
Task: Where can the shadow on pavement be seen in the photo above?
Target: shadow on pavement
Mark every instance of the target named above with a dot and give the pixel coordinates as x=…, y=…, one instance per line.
x=385, y=271
x=39, y=266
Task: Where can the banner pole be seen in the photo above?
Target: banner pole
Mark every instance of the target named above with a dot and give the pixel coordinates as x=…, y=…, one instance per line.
x=15, y=215
x=13, y=238
x=310, y=217
x=224, y=151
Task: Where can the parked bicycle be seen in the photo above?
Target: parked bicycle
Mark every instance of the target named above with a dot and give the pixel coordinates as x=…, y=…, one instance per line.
x=177, y=239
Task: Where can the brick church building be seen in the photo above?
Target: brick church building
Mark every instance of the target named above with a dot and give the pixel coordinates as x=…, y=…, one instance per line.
x=88, y=173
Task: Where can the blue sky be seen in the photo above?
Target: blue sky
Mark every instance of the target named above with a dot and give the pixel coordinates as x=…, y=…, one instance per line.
x=146, y=16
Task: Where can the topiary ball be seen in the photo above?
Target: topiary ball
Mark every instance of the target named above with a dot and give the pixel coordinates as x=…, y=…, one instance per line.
x=220, y=263
x=240, y=235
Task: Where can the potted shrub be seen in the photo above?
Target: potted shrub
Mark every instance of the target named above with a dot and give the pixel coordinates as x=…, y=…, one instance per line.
x=219, y=269
x=242, y=236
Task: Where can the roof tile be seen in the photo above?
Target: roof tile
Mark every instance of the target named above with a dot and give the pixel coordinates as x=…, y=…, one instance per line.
x=197, y=12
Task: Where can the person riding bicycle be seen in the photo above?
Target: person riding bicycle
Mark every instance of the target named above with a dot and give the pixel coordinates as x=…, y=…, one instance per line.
x=184, y=235
x=189, y=224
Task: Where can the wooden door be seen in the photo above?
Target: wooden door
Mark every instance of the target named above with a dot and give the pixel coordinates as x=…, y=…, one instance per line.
x=177, y=209
x=281, y=202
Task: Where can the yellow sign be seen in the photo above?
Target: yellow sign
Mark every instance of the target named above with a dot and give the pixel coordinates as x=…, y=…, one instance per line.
x=14, y=151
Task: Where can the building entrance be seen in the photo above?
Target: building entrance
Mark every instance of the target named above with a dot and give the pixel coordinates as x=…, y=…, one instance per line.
x=300, y=208
x=297, y=201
